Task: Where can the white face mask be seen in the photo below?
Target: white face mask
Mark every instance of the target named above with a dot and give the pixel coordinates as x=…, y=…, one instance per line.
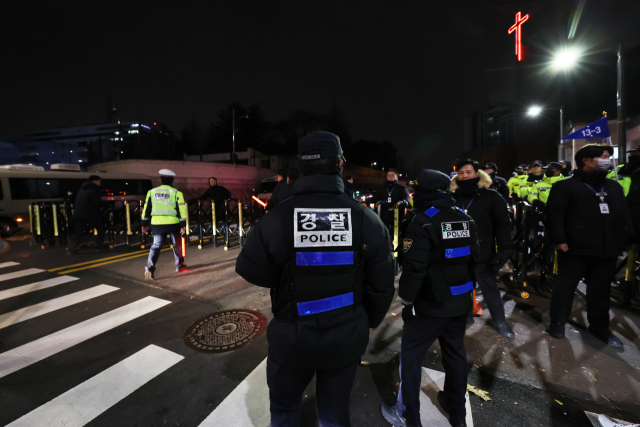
x=603, y=165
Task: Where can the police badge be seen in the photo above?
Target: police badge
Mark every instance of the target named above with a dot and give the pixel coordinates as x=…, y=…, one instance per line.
x=406, y=245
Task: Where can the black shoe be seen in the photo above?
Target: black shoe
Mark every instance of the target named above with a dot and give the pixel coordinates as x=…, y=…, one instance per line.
x=556, y=330
x=444, y=404
x=607, y=336
x=504, y=329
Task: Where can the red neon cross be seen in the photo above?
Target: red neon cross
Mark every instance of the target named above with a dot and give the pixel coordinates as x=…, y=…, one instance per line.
x=517, y=28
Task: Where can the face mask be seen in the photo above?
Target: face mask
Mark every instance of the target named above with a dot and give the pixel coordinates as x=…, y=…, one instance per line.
x=603, y=165
x=493, y=175
x=468, y=183
x=520, y=173
x=549, y=173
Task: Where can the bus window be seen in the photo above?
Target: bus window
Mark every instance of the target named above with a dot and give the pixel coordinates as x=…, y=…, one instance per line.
x=23, y=188
x=48, y=188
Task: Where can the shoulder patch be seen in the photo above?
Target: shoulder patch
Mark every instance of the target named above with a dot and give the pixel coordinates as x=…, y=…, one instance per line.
x=431, y=212
x=406, y=245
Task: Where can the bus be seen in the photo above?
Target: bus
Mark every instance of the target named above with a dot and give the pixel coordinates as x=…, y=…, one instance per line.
x=21, y=185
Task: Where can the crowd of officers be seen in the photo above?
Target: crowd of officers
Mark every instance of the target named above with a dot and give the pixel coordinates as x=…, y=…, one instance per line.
x=328, y=261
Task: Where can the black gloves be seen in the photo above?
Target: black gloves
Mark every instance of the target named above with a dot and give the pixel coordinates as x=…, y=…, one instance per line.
x=499, y=260
x=408, y=313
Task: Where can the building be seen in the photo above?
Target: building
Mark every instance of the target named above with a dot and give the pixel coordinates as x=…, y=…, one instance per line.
x=86, y=145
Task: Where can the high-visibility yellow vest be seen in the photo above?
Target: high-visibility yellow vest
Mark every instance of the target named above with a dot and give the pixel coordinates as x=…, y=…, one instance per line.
x=623, y=180
x=518, y=183
x=167, y=206
x=541, y=189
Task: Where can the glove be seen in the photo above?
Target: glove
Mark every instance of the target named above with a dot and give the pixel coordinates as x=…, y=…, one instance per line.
x=499, y=260
x=408, y=313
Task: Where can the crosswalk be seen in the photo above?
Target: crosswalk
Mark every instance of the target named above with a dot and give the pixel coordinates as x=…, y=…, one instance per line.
x=83, y=402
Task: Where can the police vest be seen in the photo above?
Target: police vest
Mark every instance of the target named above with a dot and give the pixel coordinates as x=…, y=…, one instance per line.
x=165, y=202
x=324, y=271
x=623, y=180
x=451, y=265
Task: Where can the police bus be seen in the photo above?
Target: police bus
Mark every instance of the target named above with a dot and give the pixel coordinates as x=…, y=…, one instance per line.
x=21, y=185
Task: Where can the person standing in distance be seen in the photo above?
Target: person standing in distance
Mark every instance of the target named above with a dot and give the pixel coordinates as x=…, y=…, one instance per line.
x=391, y=193
x=87, y=214
x=280, y=186
x=498, y=183
x=491, y=215
x=328, y=262
x=348, y=185
x=589, y=222
x=166, y=212
x=439, y=250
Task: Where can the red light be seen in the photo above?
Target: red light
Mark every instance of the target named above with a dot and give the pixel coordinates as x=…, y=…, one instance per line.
x=517, y=27
x=154, y=123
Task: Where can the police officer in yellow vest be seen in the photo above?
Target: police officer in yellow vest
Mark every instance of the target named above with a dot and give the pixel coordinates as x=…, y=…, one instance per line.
x=514, y=181
x=166, y=212
x=535, y=175
x=625, y=171
x=542, y=188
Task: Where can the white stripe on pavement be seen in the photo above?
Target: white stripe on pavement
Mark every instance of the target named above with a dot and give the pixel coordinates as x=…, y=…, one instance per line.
x=83, y=403
x=36, y=310
x=23, y=356
x=8, y=264
x=20, y=290
x=247, y=405
x=20, y=273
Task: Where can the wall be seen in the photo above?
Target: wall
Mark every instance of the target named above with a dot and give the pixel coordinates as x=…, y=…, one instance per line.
x=192, y=178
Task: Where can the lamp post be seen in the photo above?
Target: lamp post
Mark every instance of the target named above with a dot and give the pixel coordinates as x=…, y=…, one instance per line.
x=535, y=110
x=373, y=164
x=233, y=131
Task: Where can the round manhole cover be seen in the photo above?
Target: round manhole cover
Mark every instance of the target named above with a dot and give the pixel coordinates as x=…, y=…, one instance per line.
x=224, y=331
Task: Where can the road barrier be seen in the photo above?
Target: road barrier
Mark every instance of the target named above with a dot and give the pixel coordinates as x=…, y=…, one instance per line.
x=52, y=224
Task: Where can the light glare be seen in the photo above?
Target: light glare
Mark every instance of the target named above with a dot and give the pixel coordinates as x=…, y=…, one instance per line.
x=565, y=59
x=534, y=111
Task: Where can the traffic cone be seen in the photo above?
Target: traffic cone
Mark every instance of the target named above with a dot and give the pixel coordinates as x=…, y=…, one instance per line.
x=477, y=308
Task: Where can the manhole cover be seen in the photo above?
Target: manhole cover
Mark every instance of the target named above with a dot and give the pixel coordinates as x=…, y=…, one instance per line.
x=224, y=331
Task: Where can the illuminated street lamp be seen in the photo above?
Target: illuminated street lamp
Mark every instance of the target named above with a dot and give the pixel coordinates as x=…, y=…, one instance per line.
x=373, y=164
x=565, y=59
x=534, y=111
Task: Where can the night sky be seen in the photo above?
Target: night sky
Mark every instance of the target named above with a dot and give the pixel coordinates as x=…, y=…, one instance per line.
x=405, y=71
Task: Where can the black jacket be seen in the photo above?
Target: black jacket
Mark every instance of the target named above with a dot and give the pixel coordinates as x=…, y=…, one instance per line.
x=490, y=212
x=282, y=192
x=348, y=189
x=399, y=193
x=633, y=198
x=88, y=203
x=574, y=216
x=340, y=338
x=416, y=262
x=217, y=193
x=499, y=184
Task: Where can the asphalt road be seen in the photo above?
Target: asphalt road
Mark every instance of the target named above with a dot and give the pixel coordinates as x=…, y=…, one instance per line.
x=86, y=341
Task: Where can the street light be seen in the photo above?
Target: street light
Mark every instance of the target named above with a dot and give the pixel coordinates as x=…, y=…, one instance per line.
x=373, y=164
x=534, y=111
x=233, y=130
x=565, y=58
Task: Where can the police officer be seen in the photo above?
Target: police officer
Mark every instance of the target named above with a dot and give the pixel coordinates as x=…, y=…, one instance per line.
x=497, y=183
x=535, y=175
x=439, y=248
x=521, y=176
x=391, y=193
x=328, y=262
x=625, y=171
x=515, y=178
x=540, y=192
x=166, y=212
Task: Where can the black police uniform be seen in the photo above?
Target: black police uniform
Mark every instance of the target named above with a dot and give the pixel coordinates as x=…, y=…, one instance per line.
x=328, y=262
x=390, y=194
x=439, y=245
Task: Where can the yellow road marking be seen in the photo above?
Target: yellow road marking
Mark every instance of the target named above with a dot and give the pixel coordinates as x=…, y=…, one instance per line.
x=108, y=262
x=97, y=260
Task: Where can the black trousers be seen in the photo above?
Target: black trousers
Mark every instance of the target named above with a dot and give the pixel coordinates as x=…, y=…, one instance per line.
x=491, y=295
x=81, y=226
x=598, y=273
x=287, y=383
x=417, y=337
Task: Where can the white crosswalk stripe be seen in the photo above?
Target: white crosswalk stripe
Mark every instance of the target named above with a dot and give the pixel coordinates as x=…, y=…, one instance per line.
x=21, y=273
x=32, y=287
x=85, y=402
x=35, y=351
x=8, y=264
x=36, y=310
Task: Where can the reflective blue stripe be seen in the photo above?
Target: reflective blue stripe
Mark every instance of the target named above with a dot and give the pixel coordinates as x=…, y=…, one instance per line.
x=457, y=252
x=325, y=304
x=431, y=211
x=351, y=198
x=462, y=210
x=288, y=198
x=462, y=289
x=324, y=258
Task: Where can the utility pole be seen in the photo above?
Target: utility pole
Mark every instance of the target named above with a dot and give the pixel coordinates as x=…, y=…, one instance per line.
x=562, y=151
x=622, y=128
x=233, y=134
